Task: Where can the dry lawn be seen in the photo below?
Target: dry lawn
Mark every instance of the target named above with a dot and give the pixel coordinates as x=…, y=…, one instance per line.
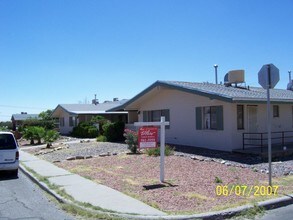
x=190, y=184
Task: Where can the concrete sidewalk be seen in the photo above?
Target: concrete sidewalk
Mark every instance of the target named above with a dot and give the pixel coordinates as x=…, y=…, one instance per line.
x=86, y=191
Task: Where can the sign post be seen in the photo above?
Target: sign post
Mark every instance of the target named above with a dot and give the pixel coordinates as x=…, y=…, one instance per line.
x=268, y=77
x=162, y=125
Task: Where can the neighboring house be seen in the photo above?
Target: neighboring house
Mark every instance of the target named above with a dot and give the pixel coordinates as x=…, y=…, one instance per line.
x=17, y=119
x=70, y=115
x=212, y=116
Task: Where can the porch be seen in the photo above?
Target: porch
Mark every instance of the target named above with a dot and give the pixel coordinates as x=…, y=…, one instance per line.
x=257, y=144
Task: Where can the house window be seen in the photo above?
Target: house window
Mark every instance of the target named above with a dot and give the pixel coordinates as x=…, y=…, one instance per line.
x=276, y=111
x=72, y=121
x=155, y=115
x=209, y=118
x=240, y=117
x=61, y=121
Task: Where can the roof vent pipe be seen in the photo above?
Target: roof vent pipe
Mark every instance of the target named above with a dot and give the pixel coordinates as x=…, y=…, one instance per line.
x=290, y=84
x=216, y=73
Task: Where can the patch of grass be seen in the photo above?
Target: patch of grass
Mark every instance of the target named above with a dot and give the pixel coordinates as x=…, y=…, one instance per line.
x=232, y=169
x=80, y=168
x=251, y=213
x=131, y=182
x=77, y=211
x=156, y=151
x=218, y=180
x=101, y=138
x=193, y=195
x=89, y=178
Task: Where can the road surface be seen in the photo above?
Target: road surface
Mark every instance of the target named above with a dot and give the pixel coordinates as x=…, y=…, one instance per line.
x=21, y=199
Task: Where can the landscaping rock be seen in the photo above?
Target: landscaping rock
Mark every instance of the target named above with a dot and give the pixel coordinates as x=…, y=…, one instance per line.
x=70, y=158
x=79, y=157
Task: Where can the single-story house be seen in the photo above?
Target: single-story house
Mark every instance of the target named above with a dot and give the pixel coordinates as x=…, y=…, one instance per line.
x=70, y=115
x=17, y=119
x=213, y=116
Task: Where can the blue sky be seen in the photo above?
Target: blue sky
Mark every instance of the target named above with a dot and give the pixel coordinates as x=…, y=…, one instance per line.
x=65, y=51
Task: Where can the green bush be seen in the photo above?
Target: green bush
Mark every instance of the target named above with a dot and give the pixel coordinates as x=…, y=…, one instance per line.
x=114, y=131
x=50, y=137
x=218, y=180
x=156, y=151
x=101, y=138
x=100, y=120
x=85, y=130
x=33, y=133
x=131, y=140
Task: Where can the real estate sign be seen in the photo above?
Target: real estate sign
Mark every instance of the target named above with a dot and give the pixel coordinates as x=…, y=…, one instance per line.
x=147, y=137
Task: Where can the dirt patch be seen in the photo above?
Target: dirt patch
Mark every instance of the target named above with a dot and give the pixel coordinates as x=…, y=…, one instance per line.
x=190, y=185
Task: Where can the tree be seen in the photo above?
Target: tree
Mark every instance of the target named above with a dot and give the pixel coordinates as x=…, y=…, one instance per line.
x=101, y=121
x=33, y=133
x=50, y=137
x=46, y=119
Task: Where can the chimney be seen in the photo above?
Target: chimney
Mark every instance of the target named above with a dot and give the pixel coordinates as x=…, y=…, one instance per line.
x=95, y=101
x=115, y=99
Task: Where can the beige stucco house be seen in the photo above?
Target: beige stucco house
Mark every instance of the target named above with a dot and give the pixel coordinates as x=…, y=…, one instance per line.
x=70, y=115
x=214, y=116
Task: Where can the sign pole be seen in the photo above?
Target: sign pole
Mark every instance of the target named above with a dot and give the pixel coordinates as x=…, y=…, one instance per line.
x=162, y=150
x=269, y=125
x=162, y=125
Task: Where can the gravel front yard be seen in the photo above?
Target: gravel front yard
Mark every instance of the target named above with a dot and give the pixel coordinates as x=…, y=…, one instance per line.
x=190, y=179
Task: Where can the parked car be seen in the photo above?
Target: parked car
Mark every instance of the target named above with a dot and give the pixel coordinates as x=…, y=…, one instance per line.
x=9, y=154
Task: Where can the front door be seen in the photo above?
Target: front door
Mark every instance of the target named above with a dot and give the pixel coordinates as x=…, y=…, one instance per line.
x=252, y=118
x=252, y=123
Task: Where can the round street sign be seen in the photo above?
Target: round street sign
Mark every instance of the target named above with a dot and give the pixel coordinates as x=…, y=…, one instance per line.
x=268, y=76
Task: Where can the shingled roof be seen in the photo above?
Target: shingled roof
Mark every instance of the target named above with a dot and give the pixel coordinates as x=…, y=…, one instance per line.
x=220, y=92
x=99, y=108
x=231, y=93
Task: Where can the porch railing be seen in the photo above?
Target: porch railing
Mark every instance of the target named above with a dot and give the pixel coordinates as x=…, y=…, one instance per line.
x=279, y=138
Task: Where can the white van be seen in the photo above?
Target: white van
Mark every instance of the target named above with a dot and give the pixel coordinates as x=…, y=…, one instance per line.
x=9, y=154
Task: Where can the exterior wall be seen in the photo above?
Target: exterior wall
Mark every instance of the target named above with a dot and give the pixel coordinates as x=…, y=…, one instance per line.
x=132, y=117
x=282, y=123
x=183, y=120
x=66, y=129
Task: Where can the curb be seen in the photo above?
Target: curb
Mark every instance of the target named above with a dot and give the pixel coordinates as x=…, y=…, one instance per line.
x=268, y=204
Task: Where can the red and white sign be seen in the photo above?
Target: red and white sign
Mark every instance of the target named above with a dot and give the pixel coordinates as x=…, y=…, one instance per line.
x=147, y=137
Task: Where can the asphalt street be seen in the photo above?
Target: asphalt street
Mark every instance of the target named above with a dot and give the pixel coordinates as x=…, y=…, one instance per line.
x=21, y=199
x=284, y=213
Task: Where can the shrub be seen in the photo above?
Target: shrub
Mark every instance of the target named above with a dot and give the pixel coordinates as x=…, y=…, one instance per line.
x=218, y=180
x=85, y=130
x=33, y=133
x=50, y=137
x=114, y=131
x=131, y=139
x=4, y=128
x=156, y=151
x=101, y=138
x=100, y=121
